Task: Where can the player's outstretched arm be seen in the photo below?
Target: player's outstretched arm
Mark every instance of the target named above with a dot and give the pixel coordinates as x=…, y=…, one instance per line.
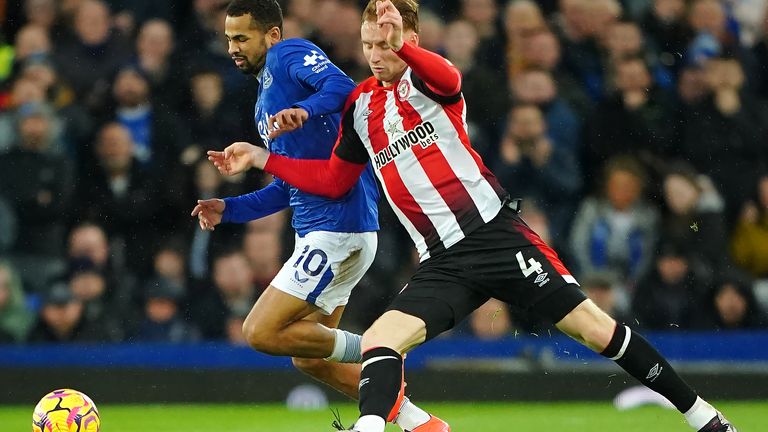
x=209, y=213
x=236, y=158
x=331, y=178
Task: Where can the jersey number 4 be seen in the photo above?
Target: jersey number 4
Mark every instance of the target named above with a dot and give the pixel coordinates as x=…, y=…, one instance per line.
x=529, y=268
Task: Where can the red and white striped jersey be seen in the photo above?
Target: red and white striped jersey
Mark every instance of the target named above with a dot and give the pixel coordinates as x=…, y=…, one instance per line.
x=418, y=145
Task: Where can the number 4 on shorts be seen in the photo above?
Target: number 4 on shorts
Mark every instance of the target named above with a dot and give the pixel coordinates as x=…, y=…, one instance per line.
x=535, y=266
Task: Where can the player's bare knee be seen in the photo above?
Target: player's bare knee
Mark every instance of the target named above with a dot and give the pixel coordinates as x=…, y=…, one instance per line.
x=395, y=330
x=258, y=338
x=589, y=325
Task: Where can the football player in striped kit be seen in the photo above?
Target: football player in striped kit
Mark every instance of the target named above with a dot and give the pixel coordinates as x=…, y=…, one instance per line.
x=409, y=121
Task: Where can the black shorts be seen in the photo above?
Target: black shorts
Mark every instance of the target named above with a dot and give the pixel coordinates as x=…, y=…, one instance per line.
x=503, y=259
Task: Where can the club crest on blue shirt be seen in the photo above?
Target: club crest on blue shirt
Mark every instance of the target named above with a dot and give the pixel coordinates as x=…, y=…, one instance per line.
x=267, y=78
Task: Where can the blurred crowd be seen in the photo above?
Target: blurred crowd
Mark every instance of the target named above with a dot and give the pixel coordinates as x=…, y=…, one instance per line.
x=636, y=131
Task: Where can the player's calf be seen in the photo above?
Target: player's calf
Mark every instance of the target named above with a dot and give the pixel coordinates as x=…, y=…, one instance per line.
x=588, y=324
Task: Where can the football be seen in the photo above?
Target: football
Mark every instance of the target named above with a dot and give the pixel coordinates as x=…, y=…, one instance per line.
x=66, y=410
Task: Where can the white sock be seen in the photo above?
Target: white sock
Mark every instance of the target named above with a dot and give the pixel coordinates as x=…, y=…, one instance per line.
x=346, y=347
x=700, y=414
x=410, y=416
x=370, y=423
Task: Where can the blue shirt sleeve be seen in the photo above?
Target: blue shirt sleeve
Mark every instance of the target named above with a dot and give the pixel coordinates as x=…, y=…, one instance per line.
x=263, y=202
x=310, y=67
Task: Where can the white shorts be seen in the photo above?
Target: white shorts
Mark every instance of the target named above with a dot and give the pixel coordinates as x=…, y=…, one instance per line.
x=325, y=266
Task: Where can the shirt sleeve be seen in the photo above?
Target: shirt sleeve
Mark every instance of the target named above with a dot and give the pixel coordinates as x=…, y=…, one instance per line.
x=311, y=68
x=263, y=202
x=331, y=178
x=440, y=78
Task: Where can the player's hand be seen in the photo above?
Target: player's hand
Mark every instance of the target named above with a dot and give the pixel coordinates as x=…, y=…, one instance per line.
x=209, y=213
x=238, y=157
x=286, y=121
x=391, y=24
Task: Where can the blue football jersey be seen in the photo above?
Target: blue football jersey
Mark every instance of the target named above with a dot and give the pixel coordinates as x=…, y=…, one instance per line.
x=298, y=74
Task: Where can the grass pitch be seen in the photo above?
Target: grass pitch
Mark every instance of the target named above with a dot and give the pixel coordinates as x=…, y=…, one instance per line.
x=478, y=417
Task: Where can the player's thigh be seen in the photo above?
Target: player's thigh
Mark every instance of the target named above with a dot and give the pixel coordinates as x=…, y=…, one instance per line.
x=438, y=295
x=275, y=309
x=325, y=267
x=520, y=268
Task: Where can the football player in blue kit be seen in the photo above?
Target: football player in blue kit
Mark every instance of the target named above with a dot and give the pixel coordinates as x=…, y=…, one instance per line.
x=300, y=96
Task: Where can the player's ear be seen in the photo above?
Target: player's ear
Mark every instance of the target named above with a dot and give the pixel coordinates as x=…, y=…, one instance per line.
x=274, y=35
x=414, y=38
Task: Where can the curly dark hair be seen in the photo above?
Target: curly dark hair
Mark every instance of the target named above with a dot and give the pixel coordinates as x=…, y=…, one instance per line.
x=265, y=14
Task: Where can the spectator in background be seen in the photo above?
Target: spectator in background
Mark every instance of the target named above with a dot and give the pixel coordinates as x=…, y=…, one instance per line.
x=616, y=231
x=45, y=13
x=88, y=243
x=292, y=28
x=482, y=14
x=638, y=116
x=715, y=36
x=692, y=90
x=31, y=40
x=162, y=321
x=132, y=14
x=533, y=166
x=24, y=92
x=212, y=124
x=667, y=32
x=521, y=18
x=749, y=241
x=486, y=102
x=154, y=57
x=624, y=39
x=670, y=296
x=601, y=289
x=693, y=218
x=235, y=328
x=731, y=305
x=156, y=133
x=71, y=124
x=232, y=291
x=431, y=32
x=123, y=195
x=580, y=26
x=723, y=136
x=88, y=283
x=16, y=319
x=169, y=264
x=98, y=51
x=264, y=248
x=541, y=50
x=204, y=244
x=61, y=319
x=37, y=184
x=537, y=87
